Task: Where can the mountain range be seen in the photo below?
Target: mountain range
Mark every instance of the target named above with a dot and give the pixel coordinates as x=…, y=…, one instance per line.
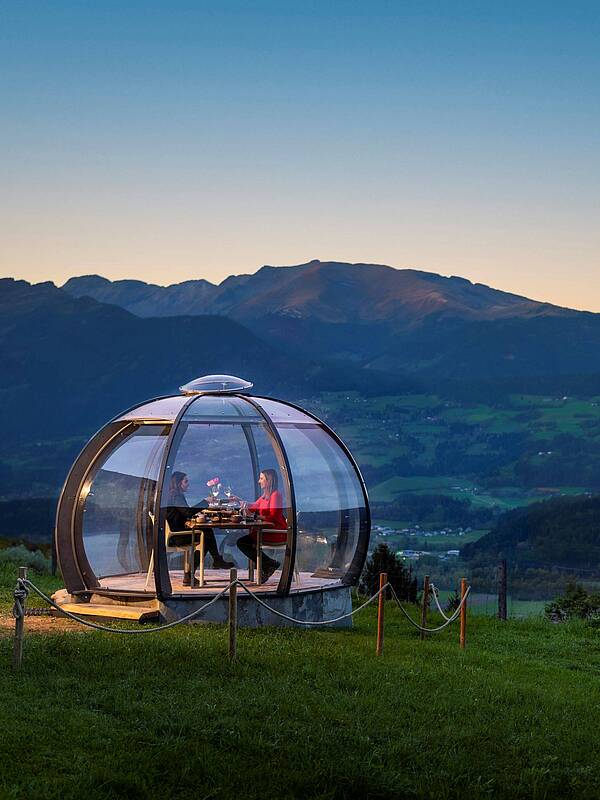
x=403, y=320
x=69, y=363
x=332, y=292
x=72, y=357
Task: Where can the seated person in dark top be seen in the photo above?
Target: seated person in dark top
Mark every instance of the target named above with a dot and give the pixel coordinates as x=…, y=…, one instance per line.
x=177, y=513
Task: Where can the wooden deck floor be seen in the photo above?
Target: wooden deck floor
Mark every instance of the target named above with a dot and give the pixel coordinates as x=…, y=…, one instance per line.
x=215, y=581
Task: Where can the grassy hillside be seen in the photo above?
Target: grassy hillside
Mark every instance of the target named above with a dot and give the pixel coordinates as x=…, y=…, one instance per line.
x=304, y=714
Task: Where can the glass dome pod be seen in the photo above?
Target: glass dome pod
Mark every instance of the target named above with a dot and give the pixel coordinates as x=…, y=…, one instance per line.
x=210, y=454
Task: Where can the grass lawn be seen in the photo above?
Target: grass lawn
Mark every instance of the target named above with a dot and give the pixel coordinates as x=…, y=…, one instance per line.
x=486, y=603
x=304, y=714
x=443, y=543
x=8, y=580
x=419, y=484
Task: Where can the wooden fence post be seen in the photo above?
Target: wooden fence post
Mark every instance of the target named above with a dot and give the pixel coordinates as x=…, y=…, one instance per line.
x=463, y=613
x=19, y=629
x=502, y=589
x=232, y=613
x=380, y=613
x=425, y=605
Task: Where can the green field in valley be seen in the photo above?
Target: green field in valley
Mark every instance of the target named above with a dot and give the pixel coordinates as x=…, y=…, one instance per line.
x=485, y=603
x=520, y=450
x=433, y=542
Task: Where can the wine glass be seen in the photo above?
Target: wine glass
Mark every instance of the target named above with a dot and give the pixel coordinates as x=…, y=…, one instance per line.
x=228, y=491
x=215, y=489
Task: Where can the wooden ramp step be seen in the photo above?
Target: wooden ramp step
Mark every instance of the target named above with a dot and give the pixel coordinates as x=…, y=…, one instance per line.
x=111, y=611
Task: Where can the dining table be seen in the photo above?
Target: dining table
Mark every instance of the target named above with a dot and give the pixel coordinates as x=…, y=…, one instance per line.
x=245, y=523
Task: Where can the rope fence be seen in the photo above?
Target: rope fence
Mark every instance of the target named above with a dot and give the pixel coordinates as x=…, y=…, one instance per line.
x=308, y=622
x=435, y=593
x=25, y=586
x=107, y=629
x=441, y=627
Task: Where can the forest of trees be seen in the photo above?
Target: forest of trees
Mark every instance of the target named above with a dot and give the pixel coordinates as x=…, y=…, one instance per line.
x=434, y=509
x=28, y=520
x=563, y=531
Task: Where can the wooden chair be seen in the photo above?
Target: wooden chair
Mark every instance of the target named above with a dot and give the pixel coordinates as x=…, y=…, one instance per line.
x=188, y=552
x=260, y=546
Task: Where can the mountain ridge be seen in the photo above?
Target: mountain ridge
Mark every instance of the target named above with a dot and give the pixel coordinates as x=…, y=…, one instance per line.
x=330, y=291
x=68, y=364
x=385, y=319
x=89, y=359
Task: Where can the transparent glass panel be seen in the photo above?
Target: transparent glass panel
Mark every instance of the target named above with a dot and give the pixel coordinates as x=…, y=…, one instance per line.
x=329, y=501
x=166, y=408
x=116, y=524
x=223, y=407
x=233, y=455
x=279, y=412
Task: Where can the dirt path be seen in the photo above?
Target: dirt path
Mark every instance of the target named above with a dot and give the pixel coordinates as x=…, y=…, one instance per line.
x=41, y=625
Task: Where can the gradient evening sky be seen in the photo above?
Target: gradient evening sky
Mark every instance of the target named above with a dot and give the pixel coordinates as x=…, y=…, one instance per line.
x=174, y=140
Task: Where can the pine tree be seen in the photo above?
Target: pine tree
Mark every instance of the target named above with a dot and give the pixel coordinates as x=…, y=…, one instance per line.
x=384, y=560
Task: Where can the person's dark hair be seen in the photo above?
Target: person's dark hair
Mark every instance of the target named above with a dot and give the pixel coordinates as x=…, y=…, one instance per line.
x=175, y=485
x=271, y=477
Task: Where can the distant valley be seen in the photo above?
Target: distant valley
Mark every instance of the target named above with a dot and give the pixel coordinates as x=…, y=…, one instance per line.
x=459, y=401
x=83, y=352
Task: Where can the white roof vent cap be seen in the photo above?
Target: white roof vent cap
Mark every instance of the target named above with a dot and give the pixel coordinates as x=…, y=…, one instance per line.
x=225, y=384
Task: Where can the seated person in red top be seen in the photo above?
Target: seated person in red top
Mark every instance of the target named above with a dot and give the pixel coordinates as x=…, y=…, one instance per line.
x=270, y=507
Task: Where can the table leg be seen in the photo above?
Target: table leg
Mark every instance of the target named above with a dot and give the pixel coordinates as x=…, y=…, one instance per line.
x=259, y=556
x=202, y=558
x=192, y=559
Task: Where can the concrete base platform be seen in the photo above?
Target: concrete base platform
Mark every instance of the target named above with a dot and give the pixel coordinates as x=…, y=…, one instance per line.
x=314, y=605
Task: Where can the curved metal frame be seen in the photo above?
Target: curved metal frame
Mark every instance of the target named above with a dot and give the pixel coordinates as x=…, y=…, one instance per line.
x=360, y=555
x=287, y=572
x=77, y=572
x=65, y=534
x=162, y=579
x=161, y=571
x=74, y=565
